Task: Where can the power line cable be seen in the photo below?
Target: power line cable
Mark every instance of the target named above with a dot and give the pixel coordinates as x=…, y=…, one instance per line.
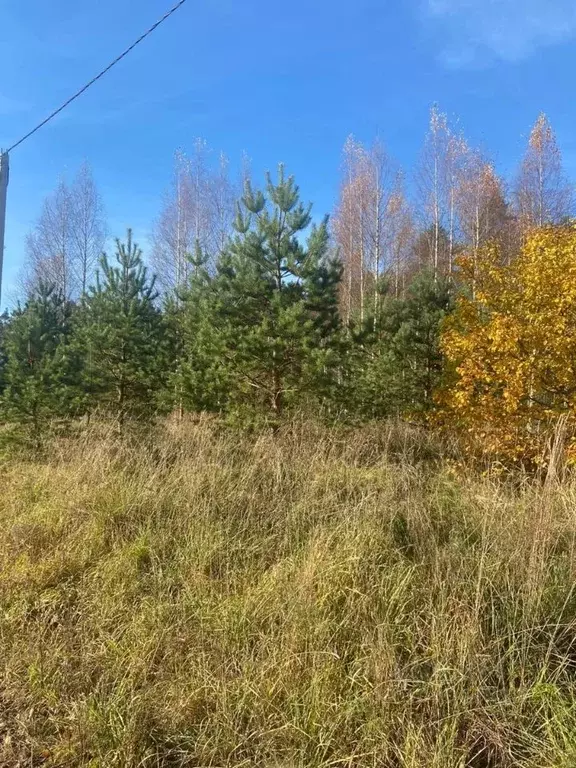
x=99, y=76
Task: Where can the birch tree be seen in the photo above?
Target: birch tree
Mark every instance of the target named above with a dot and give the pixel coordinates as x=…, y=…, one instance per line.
x=347, y=226
x=223, y=197
x=201, y=197
x=68, y=238
x=402, y=232
x=380, y=180
x=49, y=245
x=364, y=224
x=542, y=194
x=173, y=237
x=197, y=214
x=436, y=176
x=88, y=228
x=480, y=203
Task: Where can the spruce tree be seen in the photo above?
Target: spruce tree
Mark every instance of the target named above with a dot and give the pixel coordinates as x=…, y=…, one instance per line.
x=41, y=374
x=262, y=332
x=120, y=333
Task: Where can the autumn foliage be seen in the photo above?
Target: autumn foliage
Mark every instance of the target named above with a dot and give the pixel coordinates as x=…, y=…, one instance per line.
x=511, y=346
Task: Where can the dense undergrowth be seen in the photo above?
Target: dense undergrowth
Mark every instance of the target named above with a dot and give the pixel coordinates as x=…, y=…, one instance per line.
x=311, y=598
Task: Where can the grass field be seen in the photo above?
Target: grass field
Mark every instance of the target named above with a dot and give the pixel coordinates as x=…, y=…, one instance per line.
x=314, y=598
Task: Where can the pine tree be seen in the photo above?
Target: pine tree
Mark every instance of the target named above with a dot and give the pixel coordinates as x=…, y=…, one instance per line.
x=41, y=372
x=4, y=323
x=417, y=341
x=202, y=378
x=397, y=362
x=263, y=330
x=120, y=331
x=371, y=373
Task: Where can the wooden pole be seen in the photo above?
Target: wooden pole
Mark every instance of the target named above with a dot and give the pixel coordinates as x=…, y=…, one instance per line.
x=4, y=174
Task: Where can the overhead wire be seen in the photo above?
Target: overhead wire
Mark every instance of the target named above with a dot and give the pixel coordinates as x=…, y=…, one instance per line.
x=99, y=75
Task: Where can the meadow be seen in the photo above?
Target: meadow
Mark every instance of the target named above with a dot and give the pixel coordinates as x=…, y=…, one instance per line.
x=316, y=597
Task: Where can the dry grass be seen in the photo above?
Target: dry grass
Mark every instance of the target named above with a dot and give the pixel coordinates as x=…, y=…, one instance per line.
x=311, y=599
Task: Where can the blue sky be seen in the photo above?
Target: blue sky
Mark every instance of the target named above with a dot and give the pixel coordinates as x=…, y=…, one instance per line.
x=282, y=81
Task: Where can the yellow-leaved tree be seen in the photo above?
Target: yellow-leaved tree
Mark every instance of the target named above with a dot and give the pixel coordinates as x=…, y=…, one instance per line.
x=511, y=347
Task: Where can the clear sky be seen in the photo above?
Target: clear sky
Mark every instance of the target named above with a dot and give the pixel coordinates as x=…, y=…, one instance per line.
x=284, y=81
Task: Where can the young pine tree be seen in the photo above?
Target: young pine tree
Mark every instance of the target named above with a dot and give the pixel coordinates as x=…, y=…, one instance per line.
x=40, y=372
x=417, y=340
x=120, y=333
x=4, y=322
x=203, y=380
x=397, y=363
x=262, y=332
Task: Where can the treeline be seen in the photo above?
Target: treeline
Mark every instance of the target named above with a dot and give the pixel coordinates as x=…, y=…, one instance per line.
x=387, y=221
x=252, y=312
x=253, y=336
x=263, y=332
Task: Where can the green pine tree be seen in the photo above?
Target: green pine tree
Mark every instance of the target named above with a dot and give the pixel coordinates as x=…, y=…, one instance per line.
x=417, y=341
x=177, y=316
x=41, y=372
x=4, y=323
x=203, y=380
x=397, y=363
x=261, y=334
x=120, y=332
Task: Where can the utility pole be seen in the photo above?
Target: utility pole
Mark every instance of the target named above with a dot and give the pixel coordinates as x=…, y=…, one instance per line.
x=4, y=173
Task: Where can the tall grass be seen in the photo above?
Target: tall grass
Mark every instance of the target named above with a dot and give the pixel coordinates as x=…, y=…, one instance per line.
x=313, y=598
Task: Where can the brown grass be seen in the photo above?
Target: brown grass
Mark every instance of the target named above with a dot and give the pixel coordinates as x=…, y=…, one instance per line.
x=316, y=598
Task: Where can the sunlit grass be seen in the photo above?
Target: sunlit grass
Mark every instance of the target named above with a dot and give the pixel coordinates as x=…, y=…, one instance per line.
x=313, y=598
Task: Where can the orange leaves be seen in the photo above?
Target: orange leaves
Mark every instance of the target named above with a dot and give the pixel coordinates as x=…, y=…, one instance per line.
x=513, y=347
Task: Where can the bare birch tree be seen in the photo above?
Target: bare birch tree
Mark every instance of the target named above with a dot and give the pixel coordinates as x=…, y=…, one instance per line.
x=173, y=236
x=201, y=198
x=347, y=227
x=245, y=169
x=480, y=203
x=49, y=245
x=68, y=238
x=455, y=163
x=401, y=233
x=88, y=229
x=365, y=224
x=542, y=194
x=380, y=180
x=223, y=195
x=198, y=210
x=433, y=181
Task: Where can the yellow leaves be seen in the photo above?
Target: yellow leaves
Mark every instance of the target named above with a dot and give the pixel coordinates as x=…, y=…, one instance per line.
x=513, y=348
